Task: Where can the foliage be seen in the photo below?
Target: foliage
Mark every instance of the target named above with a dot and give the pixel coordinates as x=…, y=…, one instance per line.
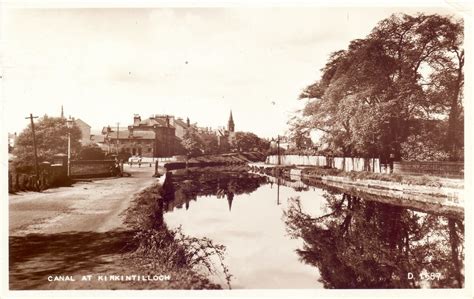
x=192, y=143
x=299, y=134
x=409, y=68
x=91, y=152
x=209, y=143
x=156, y=247
x=51, y=138
x=246, y=141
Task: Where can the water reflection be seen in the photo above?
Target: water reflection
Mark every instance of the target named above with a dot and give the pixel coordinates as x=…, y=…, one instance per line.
x=366, y=244
x=185, y=185
x=284, y=233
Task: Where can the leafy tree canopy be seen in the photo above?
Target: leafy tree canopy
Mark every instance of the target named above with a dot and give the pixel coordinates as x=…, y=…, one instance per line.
x=246, y=141
x=51, y=138
x=408, y=68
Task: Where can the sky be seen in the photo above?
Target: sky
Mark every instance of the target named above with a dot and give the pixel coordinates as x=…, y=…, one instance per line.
x=106, y=64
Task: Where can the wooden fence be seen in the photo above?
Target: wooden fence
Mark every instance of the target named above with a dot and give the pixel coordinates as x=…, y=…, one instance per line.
x=343, y=163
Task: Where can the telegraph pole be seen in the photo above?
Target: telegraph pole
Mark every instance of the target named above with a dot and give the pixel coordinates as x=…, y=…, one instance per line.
x=34, y=143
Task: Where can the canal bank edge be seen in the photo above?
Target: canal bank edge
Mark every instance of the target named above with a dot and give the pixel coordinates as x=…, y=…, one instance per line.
x=444, y=194
x=144, y=210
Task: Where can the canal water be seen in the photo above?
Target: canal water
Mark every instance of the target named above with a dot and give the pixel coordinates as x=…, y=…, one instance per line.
x=283, y=233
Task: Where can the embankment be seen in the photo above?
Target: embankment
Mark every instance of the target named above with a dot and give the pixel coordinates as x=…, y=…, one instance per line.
x=433, y=193
x=158, y=248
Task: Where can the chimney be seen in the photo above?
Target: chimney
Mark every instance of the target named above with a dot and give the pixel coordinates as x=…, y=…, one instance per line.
x=136, y=119
x=187, y=122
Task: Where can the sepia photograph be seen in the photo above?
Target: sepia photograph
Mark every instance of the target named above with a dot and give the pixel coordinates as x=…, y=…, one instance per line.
x=228, y=148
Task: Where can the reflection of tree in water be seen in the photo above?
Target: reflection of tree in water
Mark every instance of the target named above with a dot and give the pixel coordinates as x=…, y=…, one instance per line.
x=367, y=244
x=182, y=187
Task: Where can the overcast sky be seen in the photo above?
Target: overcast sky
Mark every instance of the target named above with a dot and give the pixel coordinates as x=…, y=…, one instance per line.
x=104, y=65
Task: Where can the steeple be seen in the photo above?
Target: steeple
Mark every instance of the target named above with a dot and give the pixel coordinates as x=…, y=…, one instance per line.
x=230, y=124
x=62, y=111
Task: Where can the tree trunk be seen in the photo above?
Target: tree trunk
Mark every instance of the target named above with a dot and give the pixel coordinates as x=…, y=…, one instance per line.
x=453, y=143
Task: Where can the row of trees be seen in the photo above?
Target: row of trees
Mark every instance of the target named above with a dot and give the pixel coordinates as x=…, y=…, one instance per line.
x=398, y=91
x=196, y=144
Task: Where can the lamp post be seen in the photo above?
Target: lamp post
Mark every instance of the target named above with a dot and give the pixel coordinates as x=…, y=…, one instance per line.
x=69, y=124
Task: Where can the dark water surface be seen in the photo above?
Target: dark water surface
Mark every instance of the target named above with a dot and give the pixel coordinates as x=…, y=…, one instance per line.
x=285, y=234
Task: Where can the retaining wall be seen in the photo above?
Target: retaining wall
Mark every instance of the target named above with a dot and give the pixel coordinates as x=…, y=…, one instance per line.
x=91, y=168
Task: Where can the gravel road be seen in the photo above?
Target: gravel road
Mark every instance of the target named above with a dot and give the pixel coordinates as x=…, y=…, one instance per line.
x=75, y=230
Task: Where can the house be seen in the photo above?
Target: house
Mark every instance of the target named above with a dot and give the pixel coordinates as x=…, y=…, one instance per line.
x=11, y=141
x=158, y=136
x=85, y=131
x=151, y=137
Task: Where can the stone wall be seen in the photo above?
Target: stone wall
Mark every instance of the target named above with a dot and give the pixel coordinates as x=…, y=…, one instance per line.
x=343, y=163
x=91, y=168
x=446, y=169
x=49, y=176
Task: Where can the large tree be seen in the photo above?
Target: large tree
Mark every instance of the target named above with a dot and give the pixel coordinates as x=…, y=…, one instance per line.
x=51, y=138
x=192, y=143
x=408, y=69
x=247, y=141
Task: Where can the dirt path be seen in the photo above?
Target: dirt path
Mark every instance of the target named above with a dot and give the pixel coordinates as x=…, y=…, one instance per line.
x=86, y=206
x=71, y=231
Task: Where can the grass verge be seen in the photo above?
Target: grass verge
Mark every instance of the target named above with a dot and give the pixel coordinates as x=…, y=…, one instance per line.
x=189, y=261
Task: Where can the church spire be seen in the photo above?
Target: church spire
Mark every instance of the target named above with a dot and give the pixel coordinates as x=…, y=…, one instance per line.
x=230, y=124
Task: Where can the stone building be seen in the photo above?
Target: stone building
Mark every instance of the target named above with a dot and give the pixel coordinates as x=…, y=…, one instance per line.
x=151, y=137
x=159, y=136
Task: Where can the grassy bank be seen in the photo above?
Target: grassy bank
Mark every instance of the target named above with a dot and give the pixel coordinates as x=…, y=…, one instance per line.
x=157, y=249
x=421, y=180
x=319, y=173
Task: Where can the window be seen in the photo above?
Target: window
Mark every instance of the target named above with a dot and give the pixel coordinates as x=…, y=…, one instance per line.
x=149, y=149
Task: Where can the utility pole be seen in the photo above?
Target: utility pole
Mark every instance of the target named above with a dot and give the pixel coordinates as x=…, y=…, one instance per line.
x=34, y=144
x=117, y=142
x=278, y=149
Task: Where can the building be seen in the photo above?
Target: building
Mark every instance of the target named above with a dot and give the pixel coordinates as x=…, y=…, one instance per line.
x=151, y=137
x=159, y=136
x=85, y=131
x=226, y=136
x=11, y=141
x=83, y=126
